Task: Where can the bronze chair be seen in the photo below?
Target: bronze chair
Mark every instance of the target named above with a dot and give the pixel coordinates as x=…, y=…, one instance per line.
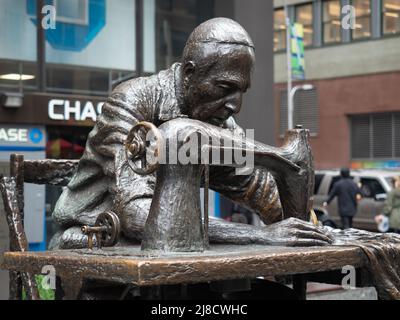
x=47, y=171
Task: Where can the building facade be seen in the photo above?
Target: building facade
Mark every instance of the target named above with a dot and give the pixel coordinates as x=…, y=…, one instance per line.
x=353, y=111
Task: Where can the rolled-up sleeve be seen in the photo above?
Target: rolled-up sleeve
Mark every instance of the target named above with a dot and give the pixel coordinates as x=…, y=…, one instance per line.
x=257, y=191
x=104, y=154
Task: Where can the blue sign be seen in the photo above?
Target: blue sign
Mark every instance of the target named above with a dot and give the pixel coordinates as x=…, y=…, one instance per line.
x=35, y=135
x=22, y=138
x=73, y=36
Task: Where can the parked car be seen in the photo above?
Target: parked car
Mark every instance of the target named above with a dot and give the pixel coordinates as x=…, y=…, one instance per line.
x=375, y=184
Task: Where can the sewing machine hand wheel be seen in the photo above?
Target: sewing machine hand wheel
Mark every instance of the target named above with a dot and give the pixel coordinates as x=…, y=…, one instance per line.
x=142, y=139
x=111, y=221
x=106, y=230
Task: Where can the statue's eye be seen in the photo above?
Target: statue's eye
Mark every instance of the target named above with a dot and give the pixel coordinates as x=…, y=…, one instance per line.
x=225, y=87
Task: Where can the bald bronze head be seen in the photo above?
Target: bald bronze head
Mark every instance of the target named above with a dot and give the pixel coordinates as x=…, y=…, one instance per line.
x=216, y=67
x=218, y=30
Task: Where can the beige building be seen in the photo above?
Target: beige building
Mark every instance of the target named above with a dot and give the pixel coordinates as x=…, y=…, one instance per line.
x=353, y=111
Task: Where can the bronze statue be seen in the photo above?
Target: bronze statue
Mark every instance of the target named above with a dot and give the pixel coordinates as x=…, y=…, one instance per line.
x=206, y=86
x=114, y=188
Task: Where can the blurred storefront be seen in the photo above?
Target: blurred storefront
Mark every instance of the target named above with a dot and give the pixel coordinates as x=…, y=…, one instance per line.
x=353, y=112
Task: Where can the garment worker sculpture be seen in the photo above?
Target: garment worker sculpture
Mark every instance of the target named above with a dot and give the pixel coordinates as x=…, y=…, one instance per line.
x=207, y=85
x=204, y=91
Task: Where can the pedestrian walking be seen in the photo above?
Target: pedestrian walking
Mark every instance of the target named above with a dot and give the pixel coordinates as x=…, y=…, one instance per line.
x=348, y=194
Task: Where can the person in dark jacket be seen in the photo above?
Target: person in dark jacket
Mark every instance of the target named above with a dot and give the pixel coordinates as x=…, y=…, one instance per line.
x=348, y=194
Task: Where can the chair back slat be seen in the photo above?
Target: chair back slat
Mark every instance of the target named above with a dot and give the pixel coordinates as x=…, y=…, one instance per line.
x=49, y=171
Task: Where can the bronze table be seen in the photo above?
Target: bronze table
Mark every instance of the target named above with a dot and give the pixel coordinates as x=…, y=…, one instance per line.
x=128, y=265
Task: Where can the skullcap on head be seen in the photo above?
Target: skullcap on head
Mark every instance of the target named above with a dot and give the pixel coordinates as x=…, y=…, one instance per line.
x=220, y=30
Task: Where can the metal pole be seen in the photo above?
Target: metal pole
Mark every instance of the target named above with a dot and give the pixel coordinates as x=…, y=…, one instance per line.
x=289, y=68
x=206, y=218
x=40, y=47
x=290, y=106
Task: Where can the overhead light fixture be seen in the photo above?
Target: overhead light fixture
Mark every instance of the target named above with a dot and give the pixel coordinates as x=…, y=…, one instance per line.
x=11, y=99
x=16, y=77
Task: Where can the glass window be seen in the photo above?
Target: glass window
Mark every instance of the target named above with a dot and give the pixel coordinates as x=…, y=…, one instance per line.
x=64, y=143
x=149, y=36
x=79, y=58
x=304, y=16
x=17, y=31
x=371, y=187
x=72, y=11
x=175, y=20
x=17, y=47
x=279, y=30
x=17, y=75
x=331, y=21
x=362, y=28
x=391, y=16
x=67, y=79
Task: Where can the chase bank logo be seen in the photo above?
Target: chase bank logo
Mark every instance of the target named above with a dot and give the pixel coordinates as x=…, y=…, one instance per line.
x=78, y=22
x=35, y=135
x=24, y=135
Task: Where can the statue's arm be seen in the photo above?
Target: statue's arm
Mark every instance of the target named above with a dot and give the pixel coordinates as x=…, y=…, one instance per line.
x=256, y=191
x=290, y=232
x=102, y=170
x=132, y=193
x=259, y=192
x=126, y=106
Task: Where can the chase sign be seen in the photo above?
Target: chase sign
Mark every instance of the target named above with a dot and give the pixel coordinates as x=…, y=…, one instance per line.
x=77, y=22
x=13, y=137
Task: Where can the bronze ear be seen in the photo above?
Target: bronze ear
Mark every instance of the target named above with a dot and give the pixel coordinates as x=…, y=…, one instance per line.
x=188, y=69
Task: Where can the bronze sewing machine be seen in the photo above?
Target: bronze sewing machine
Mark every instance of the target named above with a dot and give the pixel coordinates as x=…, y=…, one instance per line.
x=175, y=222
